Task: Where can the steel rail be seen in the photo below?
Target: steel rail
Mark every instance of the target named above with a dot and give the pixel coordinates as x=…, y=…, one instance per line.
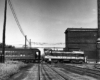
x=82, y=71
x=55, y=72
x=58, y=73
x=38, y=71
x=46, y=74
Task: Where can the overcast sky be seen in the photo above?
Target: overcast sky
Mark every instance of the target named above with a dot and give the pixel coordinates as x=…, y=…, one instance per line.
x=47, y=20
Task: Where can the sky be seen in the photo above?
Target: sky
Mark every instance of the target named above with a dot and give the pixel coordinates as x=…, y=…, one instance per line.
x=45, y=21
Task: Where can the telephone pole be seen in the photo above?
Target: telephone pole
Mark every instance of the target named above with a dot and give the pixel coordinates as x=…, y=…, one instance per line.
x=4, y=31
x=98, y=34
x=30, y=43
x=25, y=41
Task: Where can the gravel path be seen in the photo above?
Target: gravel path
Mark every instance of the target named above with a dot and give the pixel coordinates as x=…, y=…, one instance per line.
x=32, y=73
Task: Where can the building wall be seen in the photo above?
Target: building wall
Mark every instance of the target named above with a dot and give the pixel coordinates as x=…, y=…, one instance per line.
x=82, y=39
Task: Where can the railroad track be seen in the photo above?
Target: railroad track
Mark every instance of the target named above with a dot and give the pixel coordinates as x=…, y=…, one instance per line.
x=82, y=71
x=51, y=74
x=39, y=72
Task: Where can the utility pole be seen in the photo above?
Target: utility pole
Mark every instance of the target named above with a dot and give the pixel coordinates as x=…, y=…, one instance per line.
x=25, y=41
x=98, y=34
x=4, y=31
x=30, y=43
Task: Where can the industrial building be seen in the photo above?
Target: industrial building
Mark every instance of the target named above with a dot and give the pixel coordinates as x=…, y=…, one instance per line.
x=83, y=39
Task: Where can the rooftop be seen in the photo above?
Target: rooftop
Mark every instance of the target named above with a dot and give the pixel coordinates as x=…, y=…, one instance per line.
x=81, y=29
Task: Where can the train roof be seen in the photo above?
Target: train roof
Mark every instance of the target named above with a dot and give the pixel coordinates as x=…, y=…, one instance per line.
x=73, y=52
x=19, y=49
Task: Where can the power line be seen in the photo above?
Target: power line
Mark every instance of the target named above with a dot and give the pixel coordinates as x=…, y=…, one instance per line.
x=16, y=19
x=21, y=30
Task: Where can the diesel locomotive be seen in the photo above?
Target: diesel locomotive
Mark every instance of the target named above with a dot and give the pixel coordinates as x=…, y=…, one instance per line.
x=61, y=56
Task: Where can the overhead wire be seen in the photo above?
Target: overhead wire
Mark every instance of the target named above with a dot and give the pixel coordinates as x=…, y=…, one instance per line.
x=15, y=16
x=21, y=30
x=16, y=19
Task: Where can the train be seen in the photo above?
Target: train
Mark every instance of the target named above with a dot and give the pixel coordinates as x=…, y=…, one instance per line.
x=64, y=57
x=21, y=54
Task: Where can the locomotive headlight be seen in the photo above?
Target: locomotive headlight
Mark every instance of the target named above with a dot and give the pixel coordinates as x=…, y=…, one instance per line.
x=21, y=55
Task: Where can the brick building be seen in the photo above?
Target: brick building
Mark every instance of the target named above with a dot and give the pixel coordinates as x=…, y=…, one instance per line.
x=84, y=39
